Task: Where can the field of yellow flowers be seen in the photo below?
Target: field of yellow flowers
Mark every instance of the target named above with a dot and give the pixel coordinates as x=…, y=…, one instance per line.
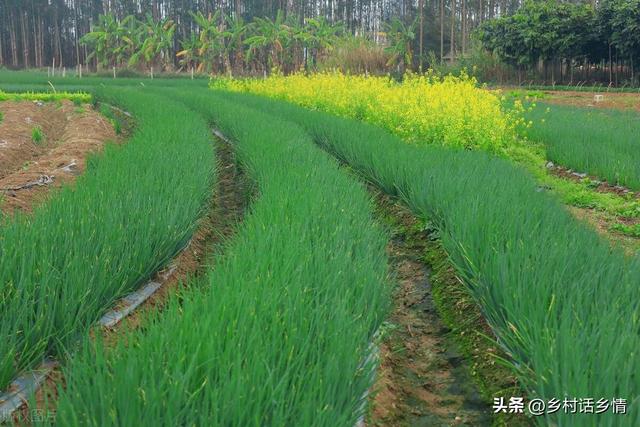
x=422, y=109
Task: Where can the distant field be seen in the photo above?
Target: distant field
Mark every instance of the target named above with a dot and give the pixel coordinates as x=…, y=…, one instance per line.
x=600, y=142
x=11, y=81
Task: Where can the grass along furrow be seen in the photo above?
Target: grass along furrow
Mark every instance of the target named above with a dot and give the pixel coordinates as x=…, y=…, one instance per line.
x=281, y=335
x=133, y=209
x=562, y=303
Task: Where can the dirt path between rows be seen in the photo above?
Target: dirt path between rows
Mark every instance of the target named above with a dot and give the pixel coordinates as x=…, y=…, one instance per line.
x=227, y=209
x=29, y=169
x=423, y=379
x=612, y=100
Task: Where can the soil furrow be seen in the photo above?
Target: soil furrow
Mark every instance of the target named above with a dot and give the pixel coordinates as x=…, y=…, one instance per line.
x=423, y=380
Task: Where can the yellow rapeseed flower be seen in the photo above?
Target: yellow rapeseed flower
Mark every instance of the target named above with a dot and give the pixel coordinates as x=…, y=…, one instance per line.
x=422, y=109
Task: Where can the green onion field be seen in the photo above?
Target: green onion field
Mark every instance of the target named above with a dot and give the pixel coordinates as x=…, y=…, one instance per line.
x=286, y=317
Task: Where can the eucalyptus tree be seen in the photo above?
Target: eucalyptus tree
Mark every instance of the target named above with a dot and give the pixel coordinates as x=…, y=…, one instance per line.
x=33, y=32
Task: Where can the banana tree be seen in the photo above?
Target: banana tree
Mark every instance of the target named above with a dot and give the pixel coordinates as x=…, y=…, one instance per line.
x=270, y=37
x=298, y=44
x=212, y=47
x=155, y=39
x=321, y=37
x=234, y=34
x=188, y=54
x=112, y=41
x=400, y=49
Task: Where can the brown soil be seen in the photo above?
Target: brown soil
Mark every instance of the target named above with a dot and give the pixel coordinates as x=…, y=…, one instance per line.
x=423, y=379
x=20, y=118
x=622, y=101
x=215, y=229
x=28, y=170
x=603, y=187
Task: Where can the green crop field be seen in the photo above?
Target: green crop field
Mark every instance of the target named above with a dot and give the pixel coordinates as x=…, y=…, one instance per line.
x=283, y=325
x=276, y=242
x=73, y=257
x=545, y=282
x=601, y=143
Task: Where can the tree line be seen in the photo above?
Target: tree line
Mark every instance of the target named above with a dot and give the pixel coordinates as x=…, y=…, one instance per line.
x=39, y=33
x=569, y=42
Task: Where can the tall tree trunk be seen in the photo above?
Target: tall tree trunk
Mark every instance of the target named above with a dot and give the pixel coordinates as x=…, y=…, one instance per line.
x=571, y=71
x=57, y=45
x=610, y=63
x=453, y=31
x=441, y=31
x=43, y=59
x=25, y=40
x=1, y=40
x=420, y=53
x=464, y=26
x=76, y=30
x=34, y=28
x=13, y=41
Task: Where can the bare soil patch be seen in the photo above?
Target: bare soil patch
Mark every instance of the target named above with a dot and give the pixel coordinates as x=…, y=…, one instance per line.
x=29, y=169
x=20, y=118
x=604, y=223
x=611, y=100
